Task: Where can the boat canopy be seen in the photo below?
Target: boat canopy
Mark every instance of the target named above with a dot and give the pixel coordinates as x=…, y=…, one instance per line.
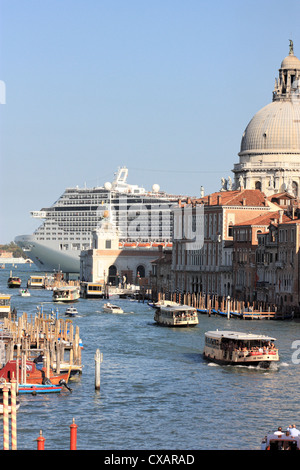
x=177, y=308
x=237, y=335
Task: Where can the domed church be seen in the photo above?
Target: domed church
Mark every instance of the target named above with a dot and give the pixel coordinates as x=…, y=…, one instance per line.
x=269, y=157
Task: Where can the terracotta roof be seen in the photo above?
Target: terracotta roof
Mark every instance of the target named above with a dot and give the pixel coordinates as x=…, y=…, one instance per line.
x=246, y=197
x=265, y=219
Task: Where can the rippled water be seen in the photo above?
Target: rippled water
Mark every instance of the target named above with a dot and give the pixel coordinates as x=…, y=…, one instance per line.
x=156, y=390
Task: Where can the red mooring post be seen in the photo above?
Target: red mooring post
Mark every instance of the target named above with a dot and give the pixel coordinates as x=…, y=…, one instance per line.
x=41, y=442
x=73, y=435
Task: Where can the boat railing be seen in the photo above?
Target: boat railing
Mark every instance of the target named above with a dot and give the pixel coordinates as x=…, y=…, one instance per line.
x=257, y=352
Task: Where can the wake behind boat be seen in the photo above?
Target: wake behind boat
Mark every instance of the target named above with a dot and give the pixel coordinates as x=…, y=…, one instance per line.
x=238, y=348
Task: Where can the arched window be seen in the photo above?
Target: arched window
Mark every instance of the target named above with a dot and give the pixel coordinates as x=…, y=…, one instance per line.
x=295, y=188
x=112, y=275
x=140, y=271
x=258, y=185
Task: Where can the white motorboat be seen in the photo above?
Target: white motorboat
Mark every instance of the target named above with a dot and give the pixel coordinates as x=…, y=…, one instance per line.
x=111, y=308
x=176, y=315
x=238, y=348
x=24, y=293
x=71, y=311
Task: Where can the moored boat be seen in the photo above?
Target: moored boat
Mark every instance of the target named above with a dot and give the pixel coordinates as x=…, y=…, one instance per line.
x=176, y=315
x=42, y=388
x=112, y=308
x=238, y=348
x=92, y=290
x=4, y=305
x=36, y=282
x=65, y=294
x=34, y=375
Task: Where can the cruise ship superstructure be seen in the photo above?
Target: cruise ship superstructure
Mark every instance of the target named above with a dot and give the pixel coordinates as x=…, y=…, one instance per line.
x=140, y=216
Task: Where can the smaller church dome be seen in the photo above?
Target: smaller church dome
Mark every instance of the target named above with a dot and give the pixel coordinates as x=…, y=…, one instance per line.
x=290, y=62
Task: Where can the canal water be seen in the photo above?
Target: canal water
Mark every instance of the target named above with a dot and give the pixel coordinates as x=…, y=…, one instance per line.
x=157, y=392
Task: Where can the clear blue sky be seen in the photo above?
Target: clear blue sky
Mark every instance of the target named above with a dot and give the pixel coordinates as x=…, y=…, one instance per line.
x=165, y=87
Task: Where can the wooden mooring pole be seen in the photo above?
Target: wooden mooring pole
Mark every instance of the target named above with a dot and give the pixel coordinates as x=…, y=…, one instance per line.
x=98, y=360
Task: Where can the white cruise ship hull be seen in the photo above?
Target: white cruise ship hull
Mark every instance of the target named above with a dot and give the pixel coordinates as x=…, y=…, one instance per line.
x=47, y=256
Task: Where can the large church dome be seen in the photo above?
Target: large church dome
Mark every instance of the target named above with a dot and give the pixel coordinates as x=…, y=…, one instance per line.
x=274, y=129
x=270, y=146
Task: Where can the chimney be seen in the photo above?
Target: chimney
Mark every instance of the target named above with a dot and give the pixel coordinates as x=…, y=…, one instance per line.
x=209, y=200
x=280, y=216
x=244, y=202
x=219, y=200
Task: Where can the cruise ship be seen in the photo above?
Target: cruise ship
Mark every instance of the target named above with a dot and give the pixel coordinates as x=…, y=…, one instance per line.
x=140, y=216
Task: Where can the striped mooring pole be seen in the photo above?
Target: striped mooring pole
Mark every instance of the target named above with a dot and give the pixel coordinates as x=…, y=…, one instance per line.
x=5, y=418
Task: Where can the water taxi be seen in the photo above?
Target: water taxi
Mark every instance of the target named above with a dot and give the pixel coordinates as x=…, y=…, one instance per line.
x=112, y=308
x=13, y=281
x=176, y=315
x=65, y=294
x=238, y=348
x=283, y=441
x=71, y=311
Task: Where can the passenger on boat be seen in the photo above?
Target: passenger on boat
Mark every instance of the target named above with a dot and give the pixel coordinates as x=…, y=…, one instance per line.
x=279, y=431
x=294, y=431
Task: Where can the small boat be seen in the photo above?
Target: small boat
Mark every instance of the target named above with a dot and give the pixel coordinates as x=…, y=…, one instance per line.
x=24, y=293
x=177, y=315
x=238, y=348
x=34, y=375
x=42, y=388
x=13, y=282
x=65, y=294
x=283, y=441
x=71, y=311
x=111, y=308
